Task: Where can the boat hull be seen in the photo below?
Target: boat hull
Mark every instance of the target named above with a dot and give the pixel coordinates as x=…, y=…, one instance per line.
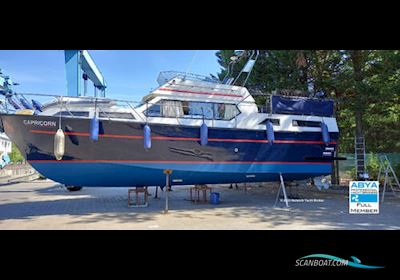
x=119, y=158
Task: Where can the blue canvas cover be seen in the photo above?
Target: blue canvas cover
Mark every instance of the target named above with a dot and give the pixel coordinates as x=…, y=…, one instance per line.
x=302, y=106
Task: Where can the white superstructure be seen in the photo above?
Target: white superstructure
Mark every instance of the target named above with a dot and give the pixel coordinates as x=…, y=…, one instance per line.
x=187, y=99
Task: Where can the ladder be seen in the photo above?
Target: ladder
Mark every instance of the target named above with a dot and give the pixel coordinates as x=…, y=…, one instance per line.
x=359, y=147
x=386, y=169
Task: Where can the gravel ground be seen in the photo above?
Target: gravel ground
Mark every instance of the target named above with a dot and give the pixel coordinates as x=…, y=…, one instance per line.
x=46, y=205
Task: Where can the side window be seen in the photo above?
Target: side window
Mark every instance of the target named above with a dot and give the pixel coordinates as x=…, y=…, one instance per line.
x=153, y=111
x=74, y=113
x=198, y=109
x=225, y=111
x=185, y=107
x=172, y=109
x=273, y=121
x=220, y=110
x=306, y=123
x=192, y=109
x=115, y=115
x=166, y=108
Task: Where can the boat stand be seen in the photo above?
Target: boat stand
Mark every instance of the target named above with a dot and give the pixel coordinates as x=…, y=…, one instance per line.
x=156, y=195
x=137, y=191
x=197, y=198
x=283, y=188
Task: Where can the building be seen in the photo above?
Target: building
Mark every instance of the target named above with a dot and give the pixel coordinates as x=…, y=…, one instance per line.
x=5, y=144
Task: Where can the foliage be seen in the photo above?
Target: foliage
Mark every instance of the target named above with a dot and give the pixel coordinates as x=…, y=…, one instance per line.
x=15, y=155
x=364, y=83
x=373, y=166
x=397, y=170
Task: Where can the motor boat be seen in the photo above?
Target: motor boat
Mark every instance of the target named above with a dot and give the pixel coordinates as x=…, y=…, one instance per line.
x=205, y=130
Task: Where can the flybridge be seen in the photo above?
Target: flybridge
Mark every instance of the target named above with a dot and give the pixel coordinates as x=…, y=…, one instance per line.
x=184, y=83
x=166, y=76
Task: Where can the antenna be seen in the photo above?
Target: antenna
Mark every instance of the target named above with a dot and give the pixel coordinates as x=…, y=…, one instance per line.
x=191, y=62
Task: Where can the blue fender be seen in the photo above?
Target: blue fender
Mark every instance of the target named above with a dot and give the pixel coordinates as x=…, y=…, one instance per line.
x=14, y=103
x=147, y=137
x=325, y=133
x=37, y=105
x=26, y=104
x=94, y=129
x=270, y=132
x=204, y=134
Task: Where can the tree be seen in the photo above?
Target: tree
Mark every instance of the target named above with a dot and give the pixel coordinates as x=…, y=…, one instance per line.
x=364, y=83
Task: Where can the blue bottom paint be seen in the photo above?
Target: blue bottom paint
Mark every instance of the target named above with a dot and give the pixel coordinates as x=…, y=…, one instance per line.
x=151, y=174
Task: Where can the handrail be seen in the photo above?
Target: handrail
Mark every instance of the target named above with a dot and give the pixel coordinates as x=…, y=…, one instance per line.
x=189, y=76
x=205, y=87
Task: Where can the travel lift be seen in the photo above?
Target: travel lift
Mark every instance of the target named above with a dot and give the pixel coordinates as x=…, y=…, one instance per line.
x=79, y=65
x=6, y=85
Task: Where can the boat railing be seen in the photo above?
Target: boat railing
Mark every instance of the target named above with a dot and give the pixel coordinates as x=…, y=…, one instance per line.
x=218, y=87
x=166, y=76
x=62, y=101
x=179, y=112
x=65, y=103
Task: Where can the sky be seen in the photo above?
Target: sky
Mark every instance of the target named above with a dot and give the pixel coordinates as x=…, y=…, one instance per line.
x=129, y=74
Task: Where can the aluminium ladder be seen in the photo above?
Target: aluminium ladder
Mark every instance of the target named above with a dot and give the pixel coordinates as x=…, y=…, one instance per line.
x=387, y=170
x=359, y=147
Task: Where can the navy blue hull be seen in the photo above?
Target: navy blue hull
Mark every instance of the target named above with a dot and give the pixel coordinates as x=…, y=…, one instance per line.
x=119, y=157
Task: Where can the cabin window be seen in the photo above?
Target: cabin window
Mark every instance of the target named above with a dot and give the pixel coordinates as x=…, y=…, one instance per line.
x=192, y=109
x=306, y=123
x=275, y=122
x=115, y=115
x=165, y=108
x=217, y=111
x=225, y=111
x=198, y=109
x=72, y=113
x=171, y=109
x=153, y=111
